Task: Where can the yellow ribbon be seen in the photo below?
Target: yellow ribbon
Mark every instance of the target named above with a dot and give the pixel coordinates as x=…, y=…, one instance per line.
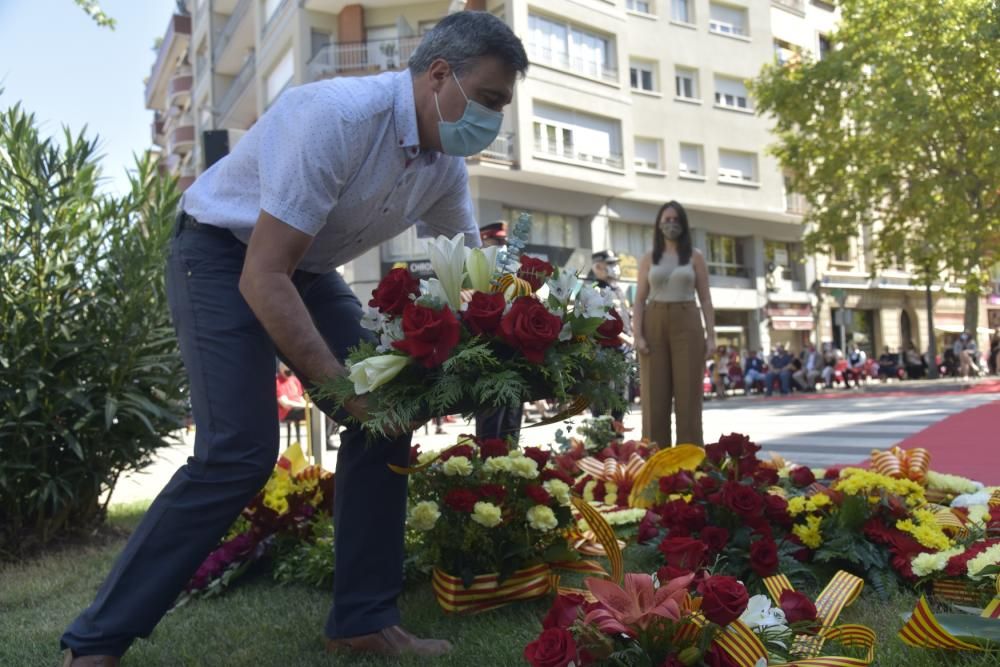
x=898, y=463
x=605, y=537
x=662, y=463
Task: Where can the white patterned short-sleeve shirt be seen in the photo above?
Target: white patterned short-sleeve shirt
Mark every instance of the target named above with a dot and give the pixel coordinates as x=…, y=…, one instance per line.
x=340, y=160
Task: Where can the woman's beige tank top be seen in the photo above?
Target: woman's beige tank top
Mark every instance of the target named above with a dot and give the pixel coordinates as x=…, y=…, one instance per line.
x=669, y=282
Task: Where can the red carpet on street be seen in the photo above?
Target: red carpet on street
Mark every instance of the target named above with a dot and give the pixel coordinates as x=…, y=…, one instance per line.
x=967, y=443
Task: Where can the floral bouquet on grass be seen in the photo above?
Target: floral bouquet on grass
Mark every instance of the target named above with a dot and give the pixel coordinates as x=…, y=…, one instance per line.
x=491, y=520
x=479, y=336
x=290, y=508
x=727, y=515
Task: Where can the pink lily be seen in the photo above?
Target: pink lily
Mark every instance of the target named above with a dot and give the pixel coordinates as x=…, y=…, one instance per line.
x=623, y=609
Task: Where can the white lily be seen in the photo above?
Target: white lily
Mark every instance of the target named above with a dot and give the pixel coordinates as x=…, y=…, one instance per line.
x=434, y=290
x=562, y=287
x=392, y=330
x=448, y=260
x=373, y=372
x=590, y=303
x=760, y=614
x=481, y=263
x=372, y=319
x=566, y=333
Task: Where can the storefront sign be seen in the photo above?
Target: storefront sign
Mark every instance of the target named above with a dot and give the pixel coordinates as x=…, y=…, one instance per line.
x=420, y=268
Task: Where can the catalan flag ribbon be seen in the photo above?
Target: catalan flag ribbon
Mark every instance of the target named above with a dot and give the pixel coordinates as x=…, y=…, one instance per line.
x=898, y=463
x=487, y=591
x=604, y=535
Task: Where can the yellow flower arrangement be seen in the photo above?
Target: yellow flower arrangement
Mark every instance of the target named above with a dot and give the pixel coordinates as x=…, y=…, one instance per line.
x=926, y=564
x=810, y=533
x=858, y=482
x=797, y=505
x=926, y=530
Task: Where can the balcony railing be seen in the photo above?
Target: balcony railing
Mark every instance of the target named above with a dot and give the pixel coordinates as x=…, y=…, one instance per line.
x=501, y=150
x=798, y=6
x=362, y=57
x=222, y=41
x=274, y=15
x=568, y=152
x=239, y=84
x=563, y=60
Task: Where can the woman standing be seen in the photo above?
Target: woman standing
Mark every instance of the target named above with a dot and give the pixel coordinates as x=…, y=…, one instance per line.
x=671, y=340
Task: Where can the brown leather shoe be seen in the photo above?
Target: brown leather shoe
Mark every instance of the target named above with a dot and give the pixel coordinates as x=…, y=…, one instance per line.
x=90, y=660
x=391, y=641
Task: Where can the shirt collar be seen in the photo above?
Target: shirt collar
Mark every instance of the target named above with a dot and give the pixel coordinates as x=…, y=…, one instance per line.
x=405, y=114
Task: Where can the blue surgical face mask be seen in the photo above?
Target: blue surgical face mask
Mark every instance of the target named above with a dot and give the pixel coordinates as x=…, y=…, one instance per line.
x=474, y=131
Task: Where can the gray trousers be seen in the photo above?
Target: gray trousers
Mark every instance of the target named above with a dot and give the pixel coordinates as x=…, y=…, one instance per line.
x=230, y=363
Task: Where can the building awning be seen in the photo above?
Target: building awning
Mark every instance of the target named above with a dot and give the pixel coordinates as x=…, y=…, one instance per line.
x=959, y=328
x=792, y=323
x=728, y=328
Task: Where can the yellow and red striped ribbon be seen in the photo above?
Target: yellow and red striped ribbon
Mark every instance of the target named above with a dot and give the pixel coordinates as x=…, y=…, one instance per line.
x=922, y=630
x=949, y=522
x=664, y=462
x=992, y=609
x=512, y=286
x=579, y=404
x=487, y=591
x=897, y=463
x=605, y=537
x=610, y=470
x=842, y=590
x=741, y=644
x=955, y=590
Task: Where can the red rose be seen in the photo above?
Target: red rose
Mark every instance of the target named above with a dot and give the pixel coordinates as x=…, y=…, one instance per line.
x=648, y=527
x=802, y=477
x=429, y=335
x=553, y=648
x=484, y=312
x=669, y=572
x=490, y=447
x=764, y=557
x=537, y=494
x=742, y=499
x=608, y=332
x=797, y=607
x=461, y=500
x=677, y=483
x=551, y=473
x=460, y=450
x=760, y=527
x=776, y=510
x=715, y=452
x=765, y=476
x=392, y=295
x=705, y=486
x=563, y=611
x=494, y=492
x=832, y=472
x=723, y=599
x=538, y=455
x=683, y=552
x=738, y=445
x=535, y=271
x=680, y=514
x=715, y=538
x=530, y=328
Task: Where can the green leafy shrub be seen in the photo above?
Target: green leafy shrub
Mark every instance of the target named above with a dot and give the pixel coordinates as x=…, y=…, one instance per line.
x=90, y=378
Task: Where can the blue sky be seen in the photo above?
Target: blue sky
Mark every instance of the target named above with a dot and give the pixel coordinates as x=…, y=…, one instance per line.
x=68, y=71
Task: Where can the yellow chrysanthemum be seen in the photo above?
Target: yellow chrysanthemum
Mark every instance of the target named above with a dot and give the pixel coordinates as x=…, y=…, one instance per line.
x=457, y=466
x=524, y=467
x=559, y=490
x=486, y=514
x=810, y=532
x=424, y=515
x=797, y=505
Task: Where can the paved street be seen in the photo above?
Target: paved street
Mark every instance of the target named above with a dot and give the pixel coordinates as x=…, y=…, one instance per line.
x=817, y=430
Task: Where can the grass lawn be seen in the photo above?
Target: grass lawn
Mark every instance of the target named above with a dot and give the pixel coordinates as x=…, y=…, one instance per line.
x=262, y=623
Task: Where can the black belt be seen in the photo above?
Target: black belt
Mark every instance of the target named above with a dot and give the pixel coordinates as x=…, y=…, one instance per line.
x=187, y=221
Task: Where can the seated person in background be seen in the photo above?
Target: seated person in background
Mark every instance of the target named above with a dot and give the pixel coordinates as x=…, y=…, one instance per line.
x=809, y=373
x=291, y=400
x=888, y=365
x=916, y=367
x=856, y=361
x=753, y=371
x=781, y=368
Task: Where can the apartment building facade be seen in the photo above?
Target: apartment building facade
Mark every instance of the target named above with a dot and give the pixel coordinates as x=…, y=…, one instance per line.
x=628, y=104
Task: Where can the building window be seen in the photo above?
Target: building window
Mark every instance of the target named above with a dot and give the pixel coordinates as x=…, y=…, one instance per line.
x=782, y=255
x=785, y=52
x=641, y=6
x=571, y=48
x=280, y=77
x=631, y=239
x=731, y=93
x=842, y=252
x=795, y=202
x=726, y=20
x=692, y=162
x=647, y=154
x=824, y=46
x=642, y=75
x=736, y=167
x=551, y=229
x=686, y=83
x=725, y=257
x=680, y=10
x=577, y=136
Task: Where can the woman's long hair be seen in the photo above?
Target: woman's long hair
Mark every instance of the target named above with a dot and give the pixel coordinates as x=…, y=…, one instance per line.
x=684, y=247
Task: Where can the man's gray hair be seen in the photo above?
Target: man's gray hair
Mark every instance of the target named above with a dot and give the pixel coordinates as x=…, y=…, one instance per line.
x=463, y=37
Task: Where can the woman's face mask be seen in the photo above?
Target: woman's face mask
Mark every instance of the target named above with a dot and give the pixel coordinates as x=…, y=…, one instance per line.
x=473, y=132
x=671, y=227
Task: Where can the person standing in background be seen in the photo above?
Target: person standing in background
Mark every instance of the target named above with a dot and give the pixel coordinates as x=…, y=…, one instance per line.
x=673, y=344
x=606, y=272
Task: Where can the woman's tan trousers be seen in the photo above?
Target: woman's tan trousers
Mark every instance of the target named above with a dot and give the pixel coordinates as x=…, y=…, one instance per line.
x=671, y=374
